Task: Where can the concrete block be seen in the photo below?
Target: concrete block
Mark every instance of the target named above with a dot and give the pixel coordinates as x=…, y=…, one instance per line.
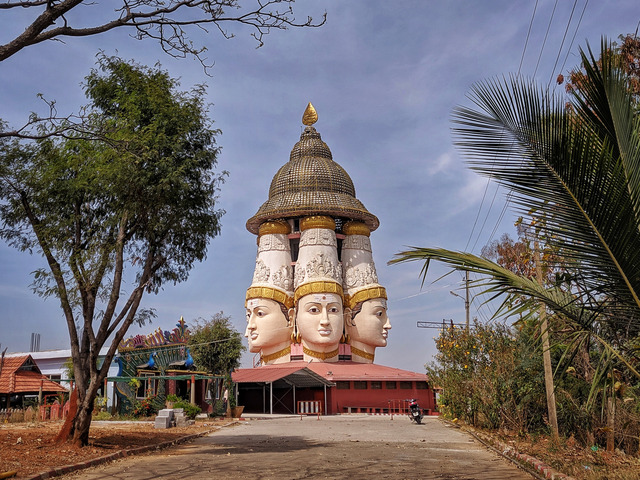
x=163, y=422
x=166, y=412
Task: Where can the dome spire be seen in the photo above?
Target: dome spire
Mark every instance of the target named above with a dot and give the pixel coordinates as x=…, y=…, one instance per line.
x=311, y=183
x=309, y=117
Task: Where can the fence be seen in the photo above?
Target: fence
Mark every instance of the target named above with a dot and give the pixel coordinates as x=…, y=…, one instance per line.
x=34, y=414
x=401, y=407
x=309, y=408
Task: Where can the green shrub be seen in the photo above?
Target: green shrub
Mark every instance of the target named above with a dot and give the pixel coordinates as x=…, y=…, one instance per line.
x=189, y=410
x=102, y=416
x=145, y=407
x=219, y=409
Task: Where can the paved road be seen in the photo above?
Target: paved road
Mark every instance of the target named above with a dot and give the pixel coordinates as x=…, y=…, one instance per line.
x=336, y=447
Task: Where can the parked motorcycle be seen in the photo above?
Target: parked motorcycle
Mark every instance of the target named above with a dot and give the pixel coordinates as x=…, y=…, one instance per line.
x=415, y=412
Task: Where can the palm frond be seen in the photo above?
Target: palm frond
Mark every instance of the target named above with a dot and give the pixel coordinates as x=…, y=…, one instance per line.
x=497, y=281
x=579, y=169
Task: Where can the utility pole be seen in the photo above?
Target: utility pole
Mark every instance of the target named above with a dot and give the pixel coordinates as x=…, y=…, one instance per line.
x=465, y=298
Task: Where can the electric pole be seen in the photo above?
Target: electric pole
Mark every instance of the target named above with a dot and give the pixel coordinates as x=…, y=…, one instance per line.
x=467, y=303
x=466, y=300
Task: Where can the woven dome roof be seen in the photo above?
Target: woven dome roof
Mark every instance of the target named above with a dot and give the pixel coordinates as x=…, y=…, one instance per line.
x=311, y=183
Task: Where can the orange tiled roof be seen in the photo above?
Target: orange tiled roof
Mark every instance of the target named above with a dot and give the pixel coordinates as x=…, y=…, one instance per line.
x=14, y=379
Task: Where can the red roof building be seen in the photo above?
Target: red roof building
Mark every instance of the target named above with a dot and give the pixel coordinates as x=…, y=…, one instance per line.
x=335, y=388
x=20, y=376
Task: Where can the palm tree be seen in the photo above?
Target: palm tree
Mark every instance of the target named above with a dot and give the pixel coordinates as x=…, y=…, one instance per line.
x=579, y=167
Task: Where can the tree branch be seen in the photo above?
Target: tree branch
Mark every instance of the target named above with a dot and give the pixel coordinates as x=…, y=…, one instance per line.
x=155, y=20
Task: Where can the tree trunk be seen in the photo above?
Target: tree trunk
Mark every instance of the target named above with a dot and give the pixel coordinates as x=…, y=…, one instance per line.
x=546, y=354
x=548, y=377
x=611, y=421
x=82, y=423
x=67, y=426
x=77, y=425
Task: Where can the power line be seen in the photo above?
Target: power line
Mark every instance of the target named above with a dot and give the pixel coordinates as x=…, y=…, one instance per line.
x=566, y=30
x=545, y=37
x=526, y=43
x=574, y=35
x=510, y=194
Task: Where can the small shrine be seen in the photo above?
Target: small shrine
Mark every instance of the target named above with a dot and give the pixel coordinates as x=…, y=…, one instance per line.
x=158, y=364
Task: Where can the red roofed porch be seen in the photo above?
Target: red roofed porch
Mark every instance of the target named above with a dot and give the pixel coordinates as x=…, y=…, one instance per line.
x=342, y=387
x=278, y=388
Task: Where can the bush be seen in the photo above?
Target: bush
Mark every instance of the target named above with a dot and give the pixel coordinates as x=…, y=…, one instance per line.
x=189, y=410
x=145, y=408
x=99, y=404
x=219, y=409
x=102, y=416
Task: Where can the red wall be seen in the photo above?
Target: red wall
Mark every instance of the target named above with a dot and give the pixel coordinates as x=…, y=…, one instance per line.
x=378, y=400
x=338, y=400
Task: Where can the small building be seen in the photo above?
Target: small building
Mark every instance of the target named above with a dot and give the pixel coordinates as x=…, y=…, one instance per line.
x=53, y=365
x=21, y=380
x=161, y=364
x=342, y=387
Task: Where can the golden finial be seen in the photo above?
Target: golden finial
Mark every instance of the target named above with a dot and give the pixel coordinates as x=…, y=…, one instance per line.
x=310, y=116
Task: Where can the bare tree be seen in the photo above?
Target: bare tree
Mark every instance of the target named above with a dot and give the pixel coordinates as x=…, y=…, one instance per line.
x=169, y=22
x=166, y=21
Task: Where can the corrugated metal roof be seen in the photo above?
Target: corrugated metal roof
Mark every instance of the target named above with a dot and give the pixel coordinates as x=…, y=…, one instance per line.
x=328, y=372
x=295, y=373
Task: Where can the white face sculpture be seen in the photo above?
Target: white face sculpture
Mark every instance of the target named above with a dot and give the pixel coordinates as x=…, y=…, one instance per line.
x=319, y=320
x=267, y=325
x=371, y=325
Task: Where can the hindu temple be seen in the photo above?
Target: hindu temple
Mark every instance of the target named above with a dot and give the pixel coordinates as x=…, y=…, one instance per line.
x=316, y=311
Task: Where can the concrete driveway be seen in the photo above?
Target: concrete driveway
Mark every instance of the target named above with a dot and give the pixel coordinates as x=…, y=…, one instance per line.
x=335, y=447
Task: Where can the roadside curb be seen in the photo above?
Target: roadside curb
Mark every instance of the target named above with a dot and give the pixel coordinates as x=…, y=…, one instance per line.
x=531, y=464
x=63, y=470
x=542, y=469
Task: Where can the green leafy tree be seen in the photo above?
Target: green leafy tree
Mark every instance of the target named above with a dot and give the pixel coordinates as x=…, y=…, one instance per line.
x=482, y=376
x=137, y=208
x=216, y=346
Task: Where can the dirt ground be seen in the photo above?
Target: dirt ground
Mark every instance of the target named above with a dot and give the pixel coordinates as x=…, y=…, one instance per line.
x=570, y=458
x=27, y=448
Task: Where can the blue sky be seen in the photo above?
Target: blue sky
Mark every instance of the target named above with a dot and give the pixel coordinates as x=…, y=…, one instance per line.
x=384, y=77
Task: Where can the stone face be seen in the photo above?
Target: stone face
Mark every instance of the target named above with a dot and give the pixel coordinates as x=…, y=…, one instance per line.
x=312, y=207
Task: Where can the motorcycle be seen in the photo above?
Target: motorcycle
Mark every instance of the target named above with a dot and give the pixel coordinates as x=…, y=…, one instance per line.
x=415, y=412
